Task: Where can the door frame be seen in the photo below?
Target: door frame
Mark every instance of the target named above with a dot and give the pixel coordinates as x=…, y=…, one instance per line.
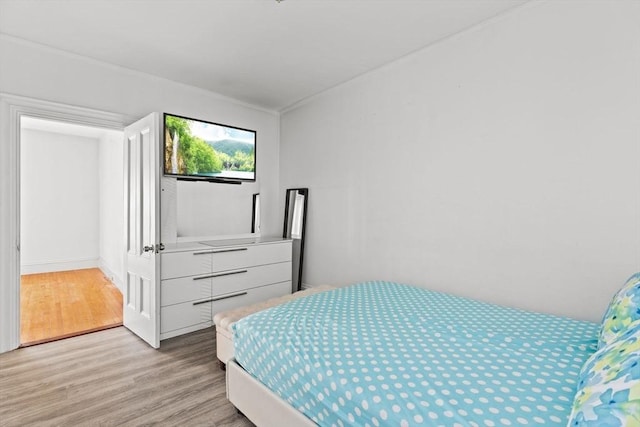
x=12, y=109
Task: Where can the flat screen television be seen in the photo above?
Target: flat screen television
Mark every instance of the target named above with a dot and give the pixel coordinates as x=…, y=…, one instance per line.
x=202, y=150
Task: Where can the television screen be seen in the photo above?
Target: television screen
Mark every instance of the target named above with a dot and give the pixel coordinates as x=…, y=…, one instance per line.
x=196, y=149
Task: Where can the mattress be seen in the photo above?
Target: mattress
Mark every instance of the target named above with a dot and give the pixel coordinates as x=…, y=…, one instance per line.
x=224, y=319
x=382, y=353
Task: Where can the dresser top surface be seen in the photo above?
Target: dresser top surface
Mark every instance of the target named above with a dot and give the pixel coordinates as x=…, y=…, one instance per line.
x=221, y=243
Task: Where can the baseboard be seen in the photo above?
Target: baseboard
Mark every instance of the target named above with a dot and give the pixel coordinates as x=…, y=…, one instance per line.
x=111, y=275
x=49, y=267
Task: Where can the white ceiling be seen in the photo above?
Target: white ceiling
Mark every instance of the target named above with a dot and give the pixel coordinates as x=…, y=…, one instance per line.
x=261, y=52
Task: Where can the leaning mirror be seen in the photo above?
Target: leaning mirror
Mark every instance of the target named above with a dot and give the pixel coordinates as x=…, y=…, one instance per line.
x=295, y=215
x=255, y=215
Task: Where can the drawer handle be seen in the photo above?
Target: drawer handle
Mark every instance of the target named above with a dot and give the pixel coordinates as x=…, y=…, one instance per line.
x=221, y=251
x=203, y=252
x=228, y=273
x=220, y=298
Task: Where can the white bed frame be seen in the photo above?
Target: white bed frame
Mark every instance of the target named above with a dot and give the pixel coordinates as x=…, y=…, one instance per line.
x=262, y=406
x=258, y=403
x=224, y=347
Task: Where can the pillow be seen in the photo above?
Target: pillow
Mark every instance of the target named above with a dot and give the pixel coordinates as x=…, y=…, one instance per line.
x=609, y=388
x=623, y=310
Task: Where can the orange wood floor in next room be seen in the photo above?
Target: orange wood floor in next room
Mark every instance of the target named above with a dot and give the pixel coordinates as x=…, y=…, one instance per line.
x=67, y=303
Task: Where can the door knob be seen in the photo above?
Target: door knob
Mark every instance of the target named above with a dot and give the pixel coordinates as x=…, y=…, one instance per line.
x=147, y=248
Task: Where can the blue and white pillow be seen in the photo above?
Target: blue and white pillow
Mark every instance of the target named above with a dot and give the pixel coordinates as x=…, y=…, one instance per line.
x=623, y=310
x=609, y=389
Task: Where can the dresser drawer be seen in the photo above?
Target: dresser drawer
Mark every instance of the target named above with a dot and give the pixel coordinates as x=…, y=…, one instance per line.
x=181, y=264
x=187, y=314
x=183, y=289
x=247, y=256
x=251, y=277
x=250, y=296
x=191, y=263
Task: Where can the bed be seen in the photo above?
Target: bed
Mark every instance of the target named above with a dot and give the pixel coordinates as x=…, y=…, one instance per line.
x=383, y=353
x=224, y=320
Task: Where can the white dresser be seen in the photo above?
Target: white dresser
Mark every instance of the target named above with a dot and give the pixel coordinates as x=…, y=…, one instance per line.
x=201, y=279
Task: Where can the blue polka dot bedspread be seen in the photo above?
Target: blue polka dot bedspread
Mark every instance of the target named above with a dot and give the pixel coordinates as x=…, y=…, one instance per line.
x=387, y=354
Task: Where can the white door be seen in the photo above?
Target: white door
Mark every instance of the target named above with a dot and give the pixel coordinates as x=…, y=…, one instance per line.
x=141, y=299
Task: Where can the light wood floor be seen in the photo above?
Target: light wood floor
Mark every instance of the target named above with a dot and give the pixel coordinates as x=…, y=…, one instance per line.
x=67, y=303
x=112, y=378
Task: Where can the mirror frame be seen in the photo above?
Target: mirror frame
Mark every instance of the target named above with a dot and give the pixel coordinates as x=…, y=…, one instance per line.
x=255, y=214
x=285, y=232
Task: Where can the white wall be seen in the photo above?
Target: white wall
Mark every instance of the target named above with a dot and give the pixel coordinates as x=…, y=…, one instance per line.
x=59, y=202
x=206, y=209
x=111, y=203
x=500, y=164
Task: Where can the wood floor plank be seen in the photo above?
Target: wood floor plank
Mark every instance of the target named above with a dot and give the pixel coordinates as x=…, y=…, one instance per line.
x=112, y=378
x=67, y=303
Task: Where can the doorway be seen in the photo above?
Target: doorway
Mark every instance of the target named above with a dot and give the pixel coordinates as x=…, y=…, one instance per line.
x=71, y=229
x=12, y=109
